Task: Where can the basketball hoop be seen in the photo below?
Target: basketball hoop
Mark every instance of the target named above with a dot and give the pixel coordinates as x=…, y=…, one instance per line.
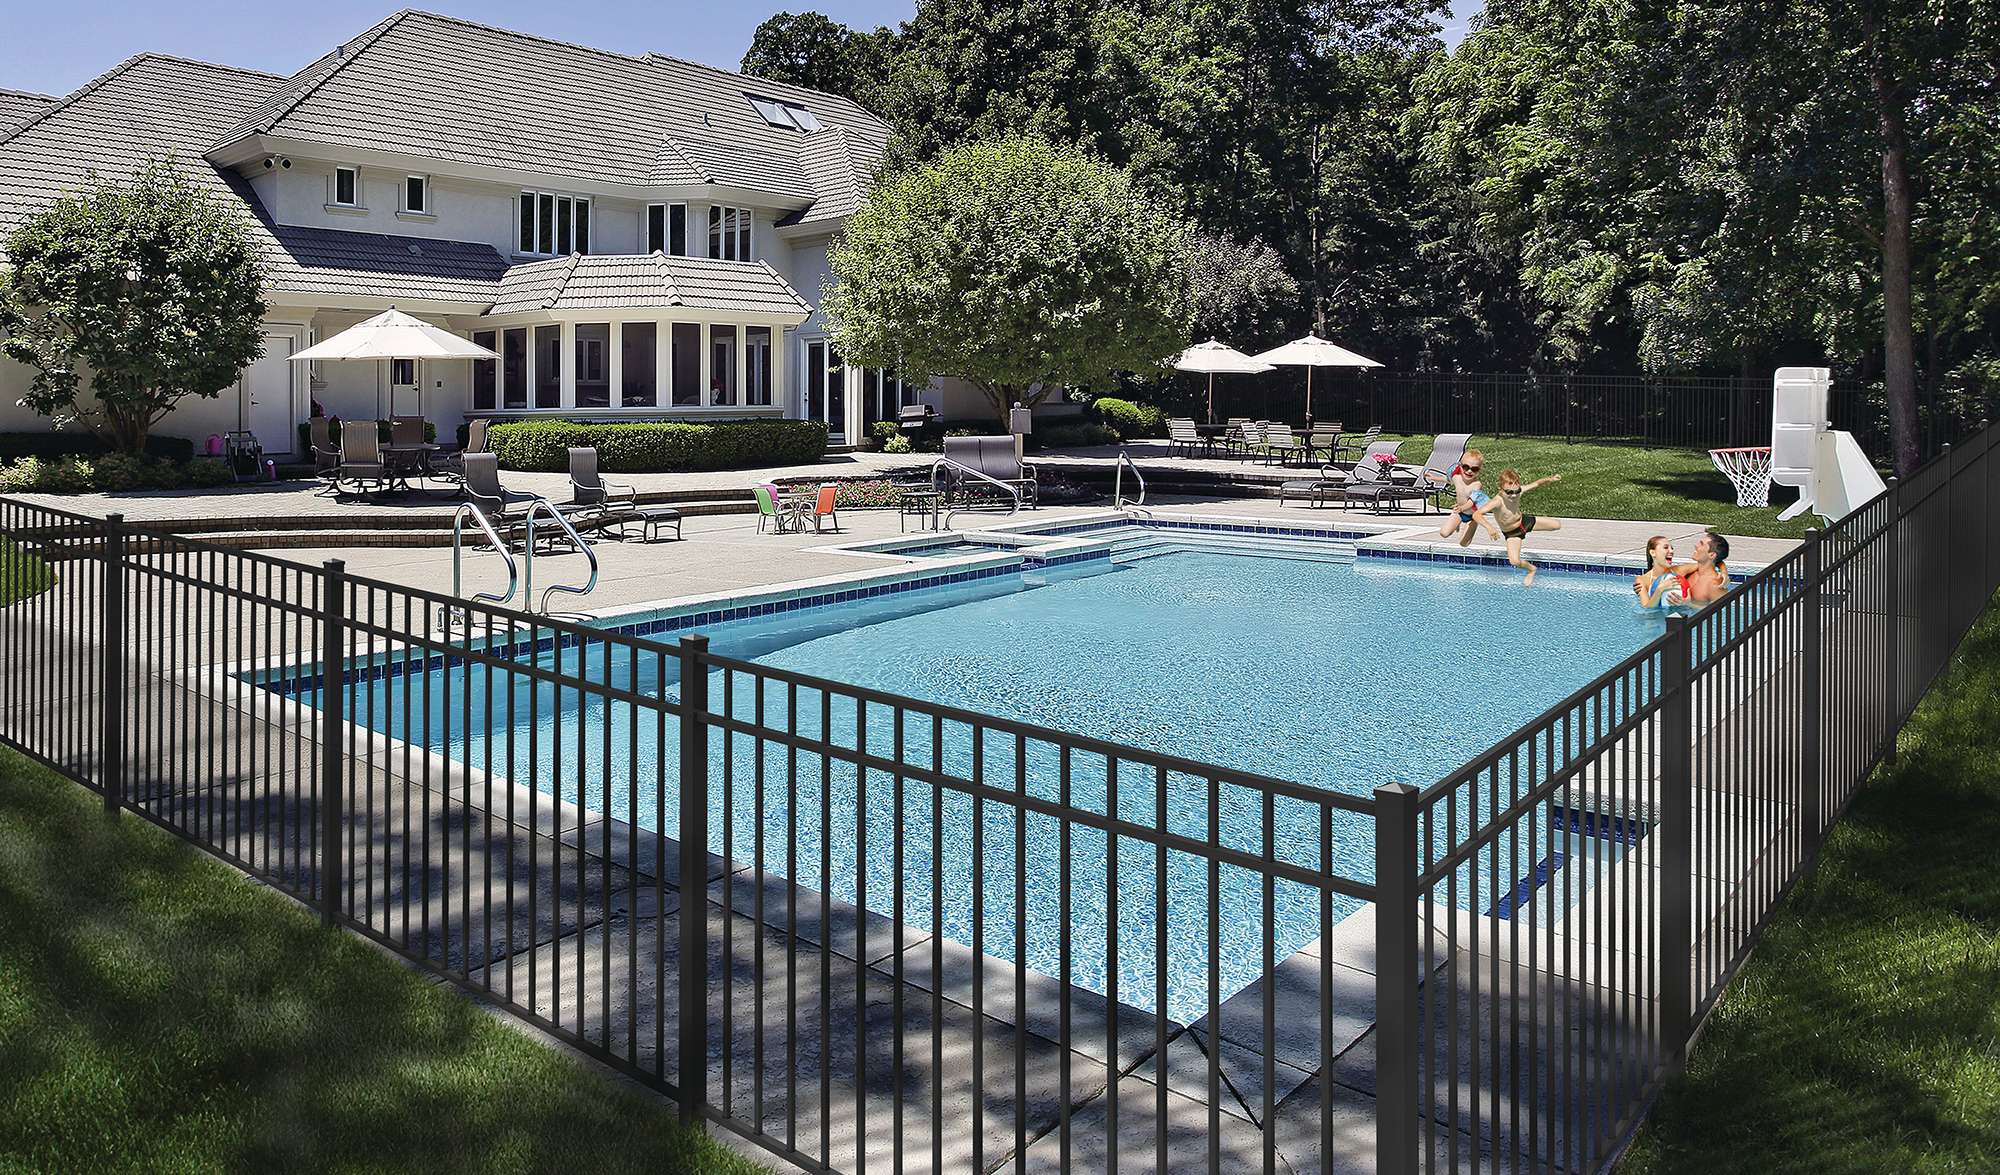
x=1749, y=470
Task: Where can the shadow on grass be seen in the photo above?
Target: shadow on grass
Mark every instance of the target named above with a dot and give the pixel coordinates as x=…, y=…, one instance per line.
x=1864, y=1034
x=158, y=1012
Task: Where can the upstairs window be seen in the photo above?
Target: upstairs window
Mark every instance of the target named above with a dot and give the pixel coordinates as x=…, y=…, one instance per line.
x=554, y=225
x=789, y=115
x=417, y=194
x=667, y=229
x=346, y=186
x=729, y=233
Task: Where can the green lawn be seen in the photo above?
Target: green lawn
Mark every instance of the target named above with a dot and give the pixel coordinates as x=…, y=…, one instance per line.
x=1616, y=481
x=1864, y=1034
x=21, y=574
x=158, y=1013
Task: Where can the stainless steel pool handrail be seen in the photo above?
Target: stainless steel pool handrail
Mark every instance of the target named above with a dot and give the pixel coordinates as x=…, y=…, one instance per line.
x=971, y=472
x=1118, y=481
x=458, y=554
x=543, y=505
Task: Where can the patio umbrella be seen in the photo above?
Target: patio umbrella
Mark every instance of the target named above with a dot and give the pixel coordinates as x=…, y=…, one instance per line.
x=393, y=334
x=1310, y=352
x=1213, y=357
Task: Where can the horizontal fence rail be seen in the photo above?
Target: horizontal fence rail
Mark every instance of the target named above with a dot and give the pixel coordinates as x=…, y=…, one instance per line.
x=870, y=932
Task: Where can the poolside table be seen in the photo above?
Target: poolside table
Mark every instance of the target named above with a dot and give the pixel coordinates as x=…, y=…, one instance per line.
x=406, y=461
x=925, y=506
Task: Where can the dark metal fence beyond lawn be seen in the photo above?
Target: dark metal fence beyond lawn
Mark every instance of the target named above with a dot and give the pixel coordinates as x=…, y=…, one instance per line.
x=504, y=799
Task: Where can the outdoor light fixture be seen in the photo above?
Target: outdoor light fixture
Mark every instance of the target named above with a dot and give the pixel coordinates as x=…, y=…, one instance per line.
x=271, y=161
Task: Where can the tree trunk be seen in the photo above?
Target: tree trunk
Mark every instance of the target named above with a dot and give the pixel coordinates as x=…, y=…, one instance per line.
x=1899, y=367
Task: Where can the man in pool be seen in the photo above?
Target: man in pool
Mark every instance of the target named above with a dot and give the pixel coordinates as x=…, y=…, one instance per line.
x=1705, y=580
x=1515, y=525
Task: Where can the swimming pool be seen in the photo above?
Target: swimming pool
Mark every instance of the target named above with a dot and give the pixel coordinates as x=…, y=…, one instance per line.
x=1305, y=662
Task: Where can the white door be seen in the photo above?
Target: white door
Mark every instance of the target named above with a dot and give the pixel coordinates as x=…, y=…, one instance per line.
x=406, y=395
x=265, y=394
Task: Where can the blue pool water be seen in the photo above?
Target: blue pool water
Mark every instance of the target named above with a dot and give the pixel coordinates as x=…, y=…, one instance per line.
x=1340, y=675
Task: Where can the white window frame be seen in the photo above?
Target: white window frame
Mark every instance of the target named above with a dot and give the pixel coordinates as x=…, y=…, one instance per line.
x=429, y=204
x=666, y=211
x=789, y=115
x=729, y=231
x=354, y=196
x=582, y=210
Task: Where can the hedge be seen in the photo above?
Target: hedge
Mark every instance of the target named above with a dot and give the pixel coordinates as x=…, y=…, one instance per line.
x=381, y=433
x=1130, y=419
x=538, y=445
x=81, y=443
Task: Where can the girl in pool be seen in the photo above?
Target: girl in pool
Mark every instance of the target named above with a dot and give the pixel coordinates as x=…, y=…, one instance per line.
x=1515, y=525
x=1465, y=484
x=1658, y=586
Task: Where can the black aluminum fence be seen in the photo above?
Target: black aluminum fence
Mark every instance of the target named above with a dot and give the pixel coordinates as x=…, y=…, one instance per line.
x=1674, y=412
x=935, y=939
x=1564, y=910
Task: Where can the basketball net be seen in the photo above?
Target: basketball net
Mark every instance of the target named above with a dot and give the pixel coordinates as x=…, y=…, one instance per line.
x=1749, y=470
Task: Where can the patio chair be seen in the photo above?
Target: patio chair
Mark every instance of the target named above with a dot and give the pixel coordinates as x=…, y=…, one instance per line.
x=361, y=458
x=1356, y=447
x=406, y=430
x=326, y=457
x=823, y=508
x=1333, y=482
x=767, y=509
x=1280, y=444
x=1182, y=435
x=453, y=465
x=1431, y=479
x=506, y=509
x=596, y=502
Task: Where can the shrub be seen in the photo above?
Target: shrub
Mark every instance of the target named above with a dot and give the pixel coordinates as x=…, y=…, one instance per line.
x=1069, y=436
x=898, y=444
x=111, y=473
x=80, y=443
x=381, y=433
x=1130, y=419
x=882, y=430
x=538, y=445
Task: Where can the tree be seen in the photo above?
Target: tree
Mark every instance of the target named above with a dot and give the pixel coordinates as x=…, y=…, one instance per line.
x=812, y=51
x=1015, y=265
x=148, y=288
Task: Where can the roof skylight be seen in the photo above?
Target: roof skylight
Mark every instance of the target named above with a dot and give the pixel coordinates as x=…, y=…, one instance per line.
x=785, y=114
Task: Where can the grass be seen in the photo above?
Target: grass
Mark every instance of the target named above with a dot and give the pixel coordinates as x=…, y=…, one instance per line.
x=1864, y=1033
x=159, y=1013
x=1621, y=482
x=22, y=574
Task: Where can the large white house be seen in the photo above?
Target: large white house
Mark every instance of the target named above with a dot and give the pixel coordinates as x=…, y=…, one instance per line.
x=637, y=237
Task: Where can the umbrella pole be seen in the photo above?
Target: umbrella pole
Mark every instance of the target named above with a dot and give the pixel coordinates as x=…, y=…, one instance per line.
x=1211, y=397
x=1309, y=399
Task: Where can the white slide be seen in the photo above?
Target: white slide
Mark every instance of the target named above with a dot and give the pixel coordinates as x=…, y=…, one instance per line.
x=1832, y=474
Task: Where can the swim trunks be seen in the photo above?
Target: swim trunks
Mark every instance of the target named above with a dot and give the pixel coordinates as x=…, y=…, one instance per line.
x=1522, y=527
x=1479, y=498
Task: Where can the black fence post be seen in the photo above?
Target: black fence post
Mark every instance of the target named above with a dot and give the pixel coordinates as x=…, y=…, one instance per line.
x=1676, y=833
x=693, y=971
x=332, y=736
x=111, y=734
x=1397, y=1037
x=1892, y=652
x=1812, y=815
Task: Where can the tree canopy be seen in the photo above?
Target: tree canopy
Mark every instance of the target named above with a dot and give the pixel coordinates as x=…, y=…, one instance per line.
x=1015, y=265
x=127, y=297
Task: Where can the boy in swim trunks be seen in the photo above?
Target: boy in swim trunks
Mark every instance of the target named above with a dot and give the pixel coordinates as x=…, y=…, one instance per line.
x=1514, y=525
x=1465, y=484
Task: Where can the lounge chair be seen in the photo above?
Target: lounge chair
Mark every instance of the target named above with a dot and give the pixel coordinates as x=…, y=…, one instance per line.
x=1431, y=479
x=598, y=503
x=453, y=465
x=1332, y=483
x=994, y=457
x=506, y=509
x=1182, y=435
x=1357, y=446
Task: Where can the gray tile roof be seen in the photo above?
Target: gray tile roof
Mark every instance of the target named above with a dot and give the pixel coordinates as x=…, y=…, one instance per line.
x=839, y=165
x=18, y=106
x=615, y=282
x=378, y=265
x=441, y=88
x=148, y=105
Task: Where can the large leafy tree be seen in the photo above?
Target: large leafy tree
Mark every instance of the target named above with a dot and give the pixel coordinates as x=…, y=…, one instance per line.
x=129, y=296
x=807, y=49
x=1016, y=265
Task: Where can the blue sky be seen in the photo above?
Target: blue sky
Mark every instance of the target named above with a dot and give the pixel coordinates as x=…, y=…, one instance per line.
x=54, y=47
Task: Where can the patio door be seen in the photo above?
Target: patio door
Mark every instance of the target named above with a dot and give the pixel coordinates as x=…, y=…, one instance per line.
x=826, y=388
x=267, y=391
x=406, y=393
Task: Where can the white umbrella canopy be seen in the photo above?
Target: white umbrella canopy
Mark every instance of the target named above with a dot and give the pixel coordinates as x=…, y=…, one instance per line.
x=393, y=334
x=1213, y=357
x=1310, y=352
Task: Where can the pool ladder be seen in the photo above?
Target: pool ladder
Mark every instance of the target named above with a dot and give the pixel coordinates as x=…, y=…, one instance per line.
x=520, y=576
x=1118, y=485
